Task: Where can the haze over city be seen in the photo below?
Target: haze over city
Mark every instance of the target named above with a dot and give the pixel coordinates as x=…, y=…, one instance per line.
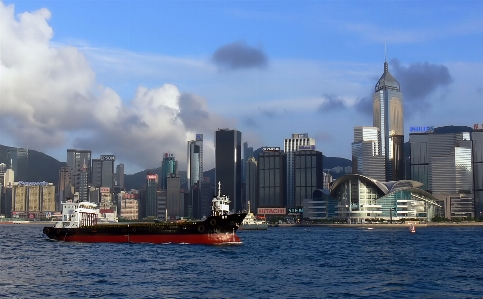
x=138, y=79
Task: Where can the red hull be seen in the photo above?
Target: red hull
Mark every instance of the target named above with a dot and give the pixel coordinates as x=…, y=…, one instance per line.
x=206, y=239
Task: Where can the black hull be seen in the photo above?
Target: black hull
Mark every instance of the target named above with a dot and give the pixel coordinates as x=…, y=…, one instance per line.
x=213, y=230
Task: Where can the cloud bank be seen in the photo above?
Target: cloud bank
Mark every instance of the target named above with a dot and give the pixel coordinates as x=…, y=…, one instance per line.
x=49, y=94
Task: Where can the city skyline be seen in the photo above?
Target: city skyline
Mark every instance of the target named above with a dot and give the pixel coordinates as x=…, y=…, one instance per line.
x=141, y=79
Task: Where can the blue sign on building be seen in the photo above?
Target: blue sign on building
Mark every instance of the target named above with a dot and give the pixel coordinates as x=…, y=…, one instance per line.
x=427, y=129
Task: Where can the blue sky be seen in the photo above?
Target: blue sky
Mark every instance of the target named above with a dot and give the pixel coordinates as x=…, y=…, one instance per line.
x=140, y=78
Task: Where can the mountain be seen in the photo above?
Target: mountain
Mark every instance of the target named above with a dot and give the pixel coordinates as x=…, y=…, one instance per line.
x=40, y=167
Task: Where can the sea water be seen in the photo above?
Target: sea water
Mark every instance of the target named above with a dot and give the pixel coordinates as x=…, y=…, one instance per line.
x=294, y=262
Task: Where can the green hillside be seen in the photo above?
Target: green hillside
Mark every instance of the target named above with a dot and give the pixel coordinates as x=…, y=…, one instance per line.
x=41, y=167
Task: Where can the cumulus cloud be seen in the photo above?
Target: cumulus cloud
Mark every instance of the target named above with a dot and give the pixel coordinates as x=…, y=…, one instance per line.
x=331, y=103
x=49, y=94
x=239, y=55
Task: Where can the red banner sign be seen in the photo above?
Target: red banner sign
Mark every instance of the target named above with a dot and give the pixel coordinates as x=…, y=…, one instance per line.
x=272, y=211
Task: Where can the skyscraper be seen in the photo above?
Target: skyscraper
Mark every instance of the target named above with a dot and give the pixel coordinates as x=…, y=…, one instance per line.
x=366, y=158
x=77, y=160
x=228, y=165
x=151, y=195
x=389, y=118
x=96, y=173
x=443, y=163
x=247, y=154
x=107, y=173
x=308, y=174
x=120, y=176
x=251, y=171
x=271, y=179
x=195, y=174
x=291, y=145
x=477, y=138
x=168, y=166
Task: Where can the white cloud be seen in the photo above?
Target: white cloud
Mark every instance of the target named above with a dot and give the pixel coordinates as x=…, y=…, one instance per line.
x=49, y=94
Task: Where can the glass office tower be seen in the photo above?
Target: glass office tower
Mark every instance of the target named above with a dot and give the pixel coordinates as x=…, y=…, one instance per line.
x=290, y=146
x=389, y=118
x=169, y=165
x=477, y=139
x=195, y=176
x=228, y=165
x=366, y=158
x=271, y=179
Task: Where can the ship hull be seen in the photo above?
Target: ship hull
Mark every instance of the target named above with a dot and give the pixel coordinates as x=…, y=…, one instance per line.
x=263, y=226
x=213, y=230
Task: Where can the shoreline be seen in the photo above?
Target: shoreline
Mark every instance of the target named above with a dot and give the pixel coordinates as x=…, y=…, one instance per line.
x=386, y=225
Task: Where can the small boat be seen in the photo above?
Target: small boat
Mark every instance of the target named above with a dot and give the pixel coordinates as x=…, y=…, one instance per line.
x=79, y=224
x=251, y=222
x=412, y=228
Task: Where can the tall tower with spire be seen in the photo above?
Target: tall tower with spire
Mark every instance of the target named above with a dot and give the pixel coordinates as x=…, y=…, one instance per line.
x=389, y=118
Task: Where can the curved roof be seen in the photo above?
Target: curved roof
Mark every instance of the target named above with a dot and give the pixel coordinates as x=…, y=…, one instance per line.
x=361, y=177
x=387, y=81
x=385, y=187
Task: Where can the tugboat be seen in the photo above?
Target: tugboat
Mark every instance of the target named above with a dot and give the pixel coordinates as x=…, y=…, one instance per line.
x=79, y=224
x=251, y=222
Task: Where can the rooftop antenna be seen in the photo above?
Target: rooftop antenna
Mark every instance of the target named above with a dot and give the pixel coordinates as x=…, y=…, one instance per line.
x=385, y=55
x=386, y=67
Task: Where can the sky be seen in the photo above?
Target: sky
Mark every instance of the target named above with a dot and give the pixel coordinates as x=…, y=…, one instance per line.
x=138, y=79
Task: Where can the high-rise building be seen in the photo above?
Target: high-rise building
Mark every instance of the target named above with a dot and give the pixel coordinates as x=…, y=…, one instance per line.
x=477, y=138
x=247, y=154
x=271, y=179
x=308, y=174
x=18, y=159
x=291, y=145
x=389, y=118
x=32, y=200
x=83, y=187
x=119, y=181
x=251, y=171
x=96, y=173
x=174, y=200
x=228, y=165
x=169, y=165
x=107, y=174
x=102, y=174
x=128, y=205
x=195, y=175
x=206, y=196
x=443, y=163
x=366, y=158
x=151, y=195
x=78, y=160
x=65, y=188
x=3, y=169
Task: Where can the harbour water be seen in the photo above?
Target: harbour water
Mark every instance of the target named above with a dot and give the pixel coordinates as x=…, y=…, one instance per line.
x=293, y=262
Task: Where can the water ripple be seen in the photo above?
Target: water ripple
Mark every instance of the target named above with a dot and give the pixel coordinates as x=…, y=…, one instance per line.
x=278, y=263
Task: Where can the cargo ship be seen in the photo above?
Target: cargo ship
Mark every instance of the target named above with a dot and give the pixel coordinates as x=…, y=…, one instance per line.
x=80, y=225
